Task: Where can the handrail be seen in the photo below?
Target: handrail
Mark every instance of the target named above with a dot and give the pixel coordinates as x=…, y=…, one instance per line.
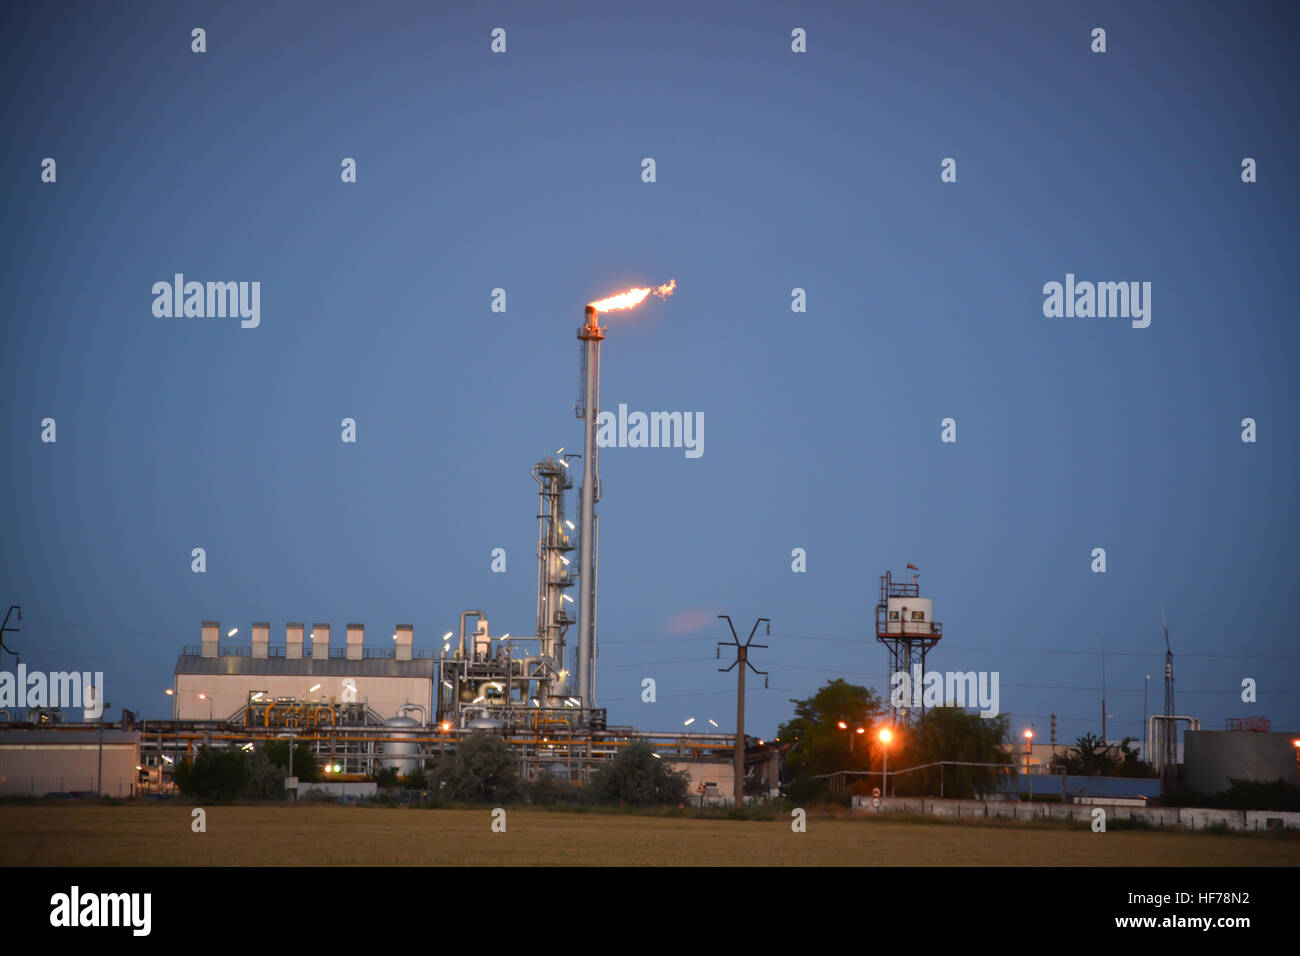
x=336, y=653
x=908, y=629
x=937, y=763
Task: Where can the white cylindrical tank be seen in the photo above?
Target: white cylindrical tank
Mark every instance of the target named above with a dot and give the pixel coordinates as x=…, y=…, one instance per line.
x=399, y=752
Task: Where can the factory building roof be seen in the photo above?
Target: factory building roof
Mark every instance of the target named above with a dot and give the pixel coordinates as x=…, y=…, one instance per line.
x=304, y=667
x=76, y=735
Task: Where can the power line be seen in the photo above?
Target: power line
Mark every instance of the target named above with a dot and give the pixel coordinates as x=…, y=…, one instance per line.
x=705, y=639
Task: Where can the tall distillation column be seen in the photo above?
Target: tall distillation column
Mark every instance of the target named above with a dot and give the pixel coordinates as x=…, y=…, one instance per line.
x=554, y=577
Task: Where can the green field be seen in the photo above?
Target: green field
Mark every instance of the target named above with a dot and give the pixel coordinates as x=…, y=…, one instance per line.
x=154, y=834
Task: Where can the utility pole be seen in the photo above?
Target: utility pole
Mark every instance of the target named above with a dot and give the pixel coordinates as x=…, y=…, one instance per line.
x=5, y=629
x=1146, y=743
x=1169, y=770
x=742, y=659
x=1103, y=692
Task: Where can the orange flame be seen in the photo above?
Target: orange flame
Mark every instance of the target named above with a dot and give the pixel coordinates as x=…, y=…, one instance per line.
x=632, y=297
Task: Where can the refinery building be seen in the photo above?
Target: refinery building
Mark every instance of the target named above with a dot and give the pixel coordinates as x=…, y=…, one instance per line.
x=214, y=680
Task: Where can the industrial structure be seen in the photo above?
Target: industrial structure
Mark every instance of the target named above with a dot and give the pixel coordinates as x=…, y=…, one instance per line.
x=590, y=334
x=363, y=709
x=271, y=685
x=491, y=683
x=1246, y=750
x=905, y=625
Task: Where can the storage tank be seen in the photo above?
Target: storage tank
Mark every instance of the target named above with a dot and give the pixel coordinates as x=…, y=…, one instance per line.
x=400, y=753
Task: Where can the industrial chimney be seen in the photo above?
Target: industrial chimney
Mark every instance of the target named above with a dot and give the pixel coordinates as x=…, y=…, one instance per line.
x=591, y=335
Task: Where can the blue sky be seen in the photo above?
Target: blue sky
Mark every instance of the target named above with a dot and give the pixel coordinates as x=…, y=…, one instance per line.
x=775, y=170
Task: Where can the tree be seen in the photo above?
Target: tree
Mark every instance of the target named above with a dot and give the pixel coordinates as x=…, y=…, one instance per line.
x=1094, y=756
x=951, y=733
x=413, y=781
x=636, y=776
x=304, y=760
x=815, y=741
x=1091, y=756
x=1131, y=763
x=220, y=775
x=266, y=780
x=385, y=777
x=482, y=770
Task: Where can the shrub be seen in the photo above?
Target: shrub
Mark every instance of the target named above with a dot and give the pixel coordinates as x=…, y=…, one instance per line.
x=636, y=776
x=220, y=775
x=482, y=770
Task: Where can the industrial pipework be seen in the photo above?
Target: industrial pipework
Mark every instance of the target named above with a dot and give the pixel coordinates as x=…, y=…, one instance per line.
x=464, y=614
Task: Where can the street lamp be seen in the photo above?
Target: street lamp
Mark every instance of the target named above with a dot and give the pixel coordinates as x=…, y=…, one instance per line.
x=99, y=773
x=292, y=740
x=1029, y=736
x=885, y=737
x=208, y=698
x=843, y=725
x=176, y=754
x=1146, y=742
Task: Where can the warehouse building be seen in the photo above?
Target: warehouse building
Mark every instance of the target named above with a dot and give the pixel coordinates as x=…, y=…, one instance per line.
x=69, y=759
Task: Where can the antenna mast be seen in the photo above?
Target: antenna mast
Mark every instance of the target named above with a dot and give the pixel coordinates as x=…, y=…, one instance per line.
x=1171, y=731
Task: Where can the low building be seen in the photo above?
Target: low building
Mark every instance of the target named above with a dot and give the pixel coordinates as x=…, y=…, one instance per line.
x=69, y=759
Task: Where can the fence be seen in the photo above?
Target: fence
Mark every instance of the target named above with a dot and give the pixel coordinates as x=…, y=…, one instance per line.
x=1190, y=818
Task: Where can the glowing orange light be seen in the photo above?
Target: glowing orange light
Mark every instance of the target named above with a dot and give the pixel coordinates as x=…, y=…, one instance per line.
x=633, y=297
x=843, y=725
x=885, y=736
x=1029, y=734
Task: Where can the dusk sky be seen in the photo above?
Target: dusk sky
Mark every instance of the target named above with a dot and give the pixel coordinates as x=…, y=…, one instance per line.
x=774, y=171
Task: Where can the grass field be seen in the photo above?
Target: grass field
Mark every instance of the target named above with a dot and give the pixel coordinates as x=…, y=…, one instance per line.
x=154, y=834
